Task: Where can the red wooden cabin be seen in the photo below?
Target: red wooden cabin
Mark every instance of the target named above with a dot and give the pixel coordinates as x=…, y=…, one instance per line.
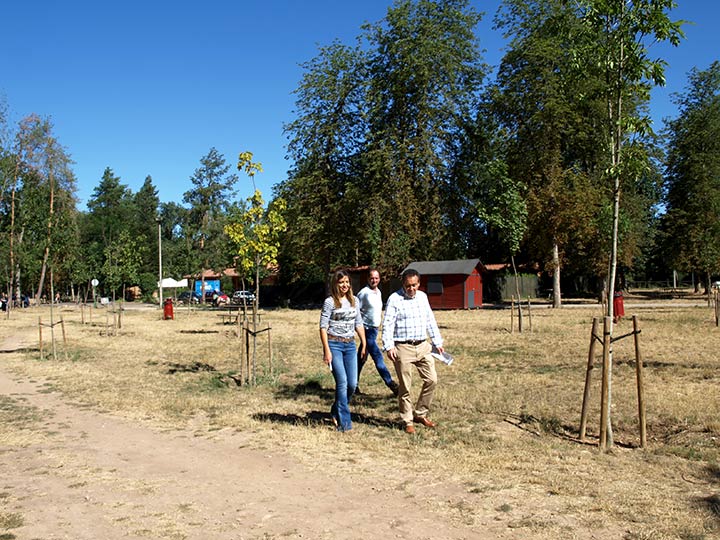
x=451, y=284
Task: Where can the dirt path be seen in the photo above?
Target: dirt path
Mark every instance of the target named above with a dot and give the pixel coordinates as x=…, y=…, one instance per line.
x=95, y=476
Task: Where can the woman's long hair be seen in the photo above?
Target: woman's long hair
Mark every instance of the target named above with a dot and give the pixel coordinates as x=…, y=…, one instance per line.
x=335, y=289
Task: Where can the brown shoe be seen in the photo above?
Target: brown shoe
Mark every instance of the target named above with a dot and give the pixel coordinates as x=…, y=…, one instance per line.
x=424, y=421
x=409, y=428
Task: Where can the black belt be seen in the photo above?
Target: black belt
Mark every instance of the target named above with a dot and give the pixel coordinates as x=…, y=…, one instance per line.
x=413, y=342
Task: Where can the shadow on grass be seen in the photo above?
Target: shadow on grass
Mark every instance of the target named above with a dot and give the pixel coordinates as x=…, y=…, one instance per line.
x=315, y=388
x=308, y=388
x=317, y=418
x=195, y=367
x=199, y=331
x=711, y=502
x=553, y=427
x=21, y=349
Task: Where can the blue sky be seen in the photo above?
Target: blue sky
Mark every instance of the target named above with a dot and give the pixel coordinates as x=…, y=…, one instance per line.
x=147, y=88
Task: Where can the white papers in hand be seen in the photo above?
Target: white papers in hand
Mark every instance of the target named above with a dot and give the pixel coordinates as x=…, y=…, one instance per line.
x=445, y=357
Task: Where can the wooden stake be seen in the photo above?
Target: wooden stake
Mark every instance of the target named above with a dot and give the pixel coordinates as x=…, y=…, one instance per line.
x=520, y=315
x=529, y=316
x=588, y=377
x=41, y=340
x=605, y=394
x=512, y=314
x=640, y=385
x=247, y=352
x=269, y=350
x=62, y=325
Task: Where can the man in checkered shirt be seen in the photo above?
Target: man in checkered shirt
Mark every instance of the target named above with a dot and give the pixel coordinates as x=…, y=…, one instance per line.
x=406, y=326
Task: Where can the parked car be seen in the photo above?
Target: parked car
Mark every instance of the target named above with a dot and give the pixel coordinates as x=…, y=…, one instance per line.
x=216, y=298
x=188, y=296
x=243, y=297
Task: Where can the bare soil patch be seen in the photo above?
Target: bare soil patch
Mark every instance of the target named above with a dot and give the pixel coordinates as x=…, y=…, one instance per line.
x=88, y=475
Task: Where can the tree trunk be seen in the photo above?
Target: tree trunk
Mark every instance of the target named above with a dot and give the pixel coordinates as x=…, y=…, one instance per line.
x=557, y=299
x=13, y=275
x=517, y=291
x=614, y=118
x=17, y=276
x=48, y=239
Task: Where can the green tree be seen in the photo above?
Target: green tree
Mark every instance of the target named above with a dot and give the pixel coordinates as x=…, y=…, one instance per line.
x=424, y=76
x=144, y=227
x=326, y=138
x=255, y=230
x=619, y=32
x=691, y=225
x=40, y=189
x=213, y=187
x=177, y=240
x=110, y=213
x=123, y=259
x=550, y=122
x=255, y=233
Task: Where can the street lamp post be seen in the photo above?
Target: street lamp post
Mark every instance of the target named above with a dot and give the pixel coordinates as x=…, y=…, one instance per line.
x=160, y=272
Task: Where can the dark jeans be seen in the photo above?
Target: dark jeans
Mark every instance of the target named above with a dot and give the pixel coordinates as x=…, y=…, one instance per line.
x=373, y=350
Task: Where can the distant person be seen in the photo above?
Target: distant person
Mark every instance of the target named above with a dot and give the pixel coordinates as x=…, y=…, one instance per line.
x=407, y=323
x=370, y=301
x=339, y=321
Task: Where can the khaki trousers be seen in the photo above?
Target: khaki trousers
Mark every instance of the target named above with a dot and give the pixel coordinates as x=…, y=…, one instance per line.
x=419, y=357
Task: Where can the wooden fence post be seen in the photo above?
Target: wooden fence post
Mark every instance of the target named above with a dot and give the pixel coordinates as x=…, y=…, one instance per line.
x=247, y=351
x=269, y=330
x=512, y=314
x=640, y=385
x=604, y=406
x=588, y=376
x=529, y=316
x=41, y=340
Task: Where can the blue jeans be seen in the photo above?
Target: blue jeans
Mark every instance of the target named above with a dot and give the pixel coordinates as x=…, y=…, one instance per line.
x=344, y=368
x=373, y=350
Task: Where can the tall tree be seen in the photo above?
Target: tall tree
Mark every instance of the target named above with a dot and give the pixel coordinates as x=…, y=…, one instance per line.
x=41, y=194
x=110, y=213
x=123, y=258
x=209, y=198
x=145, y=208
x=424, y=77
x=550, y=120
x=620, y=32
x=691, y=225
x=326, y=138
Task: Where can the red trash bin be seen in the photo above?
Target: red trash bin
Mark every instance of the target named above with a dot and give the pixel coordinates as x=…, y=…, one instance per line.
x=168, y=309
x=618, y=306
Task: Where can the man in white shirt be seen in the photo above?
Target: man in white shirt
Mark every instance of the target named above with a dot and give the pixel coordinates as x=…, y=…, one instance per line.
x=370, y=301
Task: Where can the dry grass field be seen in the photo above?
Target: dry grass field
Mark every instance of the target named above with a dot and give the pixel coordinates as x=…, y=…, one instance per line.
x=508, y=411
